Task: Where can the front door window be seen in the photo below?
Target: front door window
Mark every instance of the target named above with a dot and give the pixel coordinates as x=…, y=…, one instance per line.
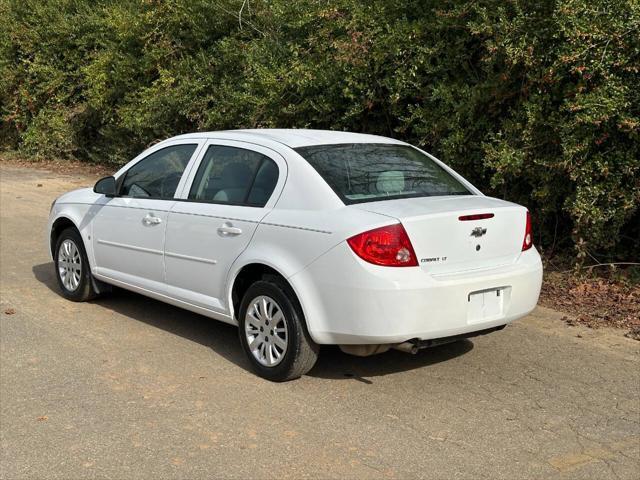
x=157, y=176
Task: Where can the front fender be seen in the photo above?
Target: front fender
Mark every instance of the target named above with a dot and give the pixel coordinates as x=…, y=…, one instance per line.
x=80, y=215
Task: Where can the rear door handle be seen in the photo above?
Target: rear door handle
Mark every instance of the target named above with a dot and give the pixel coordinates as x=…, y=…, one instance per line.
x=228, y=230
x=151, y=220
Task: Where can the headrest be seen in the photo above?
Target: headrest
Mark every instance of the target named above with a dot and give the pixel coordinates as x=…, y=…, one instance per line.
x=391, y=181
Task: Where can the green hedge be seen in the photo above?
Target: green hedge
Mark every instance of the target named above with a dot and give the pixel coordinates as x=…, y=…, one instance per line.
x=534, y=101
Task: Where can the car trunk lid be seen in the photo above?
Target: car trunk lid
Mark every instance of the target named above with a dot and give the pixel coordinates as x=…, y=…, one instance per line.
x=445, y=243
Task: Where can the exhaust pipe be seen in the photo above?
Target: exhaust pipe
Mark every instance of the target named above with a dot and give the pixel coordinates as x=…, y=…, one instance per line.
x=406, y=347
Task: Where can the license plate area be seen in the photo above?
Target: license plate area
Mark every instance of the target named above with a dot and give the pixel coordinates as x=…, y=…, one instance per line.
x=488, y=304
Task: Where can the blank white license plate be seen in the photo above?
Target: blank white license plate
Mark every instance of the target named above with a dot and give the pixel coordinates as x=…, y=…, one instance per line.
x=486, y=305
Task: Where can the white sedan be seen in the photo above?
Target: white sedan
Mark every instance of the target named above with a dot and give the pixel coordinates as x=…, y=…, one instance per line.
x=302, y=238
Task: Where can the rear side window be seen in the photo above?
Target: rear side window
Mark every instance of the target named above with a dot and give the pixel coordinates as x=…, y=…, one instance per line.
x=235, y=176
x=157, y=176
x=368, y=172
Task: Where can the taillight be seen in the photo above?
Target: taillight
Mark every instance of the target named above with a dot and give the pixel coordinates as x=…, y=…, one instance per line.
x=528, y=236
x=388, y=246
x=475, y=216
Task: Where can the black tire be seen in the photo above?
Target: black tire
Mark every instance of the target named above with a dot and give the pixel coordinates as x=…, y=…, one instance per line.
x=84, y=290
x=301, y=353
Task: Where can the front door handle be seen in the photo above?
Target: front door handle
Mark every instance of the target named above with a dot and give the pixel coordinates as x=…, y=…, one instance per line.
x=151, y=220
x=228, y=230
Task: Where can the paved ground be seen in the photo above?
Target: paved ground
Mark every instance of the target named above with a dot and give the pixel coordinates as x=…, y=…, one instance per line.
x=127, y=387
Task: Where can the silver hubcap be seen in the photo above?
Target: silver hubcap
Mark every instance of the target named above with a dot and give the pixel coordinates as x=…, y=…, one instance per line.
x=266, y=331
x=69, y=265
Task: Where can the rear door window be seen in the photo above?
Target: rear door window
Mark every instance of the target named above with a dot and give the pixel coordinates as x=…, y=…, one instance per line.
x=235, y=176
x=368, y=172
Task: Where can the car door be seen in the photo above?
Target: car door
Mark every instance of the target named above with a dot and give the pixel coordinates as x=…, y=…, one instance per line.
x=128, y=230
x=229, y=192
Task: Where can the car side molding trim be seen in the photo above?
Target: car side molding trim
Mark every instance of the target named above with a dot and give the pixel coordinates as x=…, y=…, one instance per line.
x=189, y=257
x=130, y=247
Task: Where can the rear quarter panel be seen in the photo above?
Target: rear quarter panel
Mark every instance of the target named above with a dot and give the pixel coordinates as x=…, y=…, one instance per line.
x=289, y=240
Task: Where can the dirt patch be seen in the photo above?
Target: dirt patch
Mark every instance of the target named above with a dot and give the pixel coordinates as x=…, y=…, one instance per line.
x=594, y=302
x=65, y=167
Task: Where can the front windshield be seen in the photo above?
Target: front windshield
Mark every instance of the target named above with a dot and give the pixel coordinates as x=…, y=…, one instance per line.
x=368, y=172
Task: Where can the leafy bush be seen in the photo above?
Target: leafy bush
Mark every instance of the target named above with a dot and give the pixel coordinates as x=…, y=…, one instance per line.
x=536, y=102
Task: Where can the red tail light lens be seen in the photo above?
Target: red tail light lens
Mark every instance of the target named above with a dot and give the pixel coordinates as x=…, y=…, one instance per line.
x=476, y=216
x=388, y=246
x=528, y=235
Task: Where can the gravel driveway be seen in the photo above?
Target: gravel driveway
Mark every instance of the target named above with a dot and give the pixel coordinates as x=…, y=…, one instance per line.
x=127, y=387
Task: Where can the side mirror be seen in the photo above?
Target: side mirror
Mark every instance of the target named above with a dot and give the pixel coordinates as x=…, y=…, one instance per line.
x=106, y=186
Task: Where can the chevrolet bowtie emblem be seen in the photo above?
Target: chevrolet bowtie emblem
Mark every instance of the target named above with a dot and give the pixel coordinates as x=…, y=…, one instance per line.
x=478, y=232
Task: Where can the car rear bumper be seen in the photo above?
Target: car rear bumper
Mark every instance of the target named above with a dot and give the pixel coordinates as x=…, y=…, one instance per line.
x=347, y=301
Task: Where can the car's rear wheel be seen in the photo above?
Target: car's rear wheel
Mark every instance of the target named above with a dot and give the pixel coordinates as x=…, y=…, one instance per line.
x=273, y=333
x=72, y=267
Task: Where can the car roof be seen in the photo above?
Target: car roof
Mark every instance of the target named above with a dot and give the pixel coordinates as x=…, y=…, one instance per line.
x=293, y=137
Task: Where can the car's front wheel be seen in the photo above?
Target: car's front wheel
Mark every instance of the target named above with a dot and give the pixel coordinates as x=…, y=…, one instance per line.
x=273, y=333
x=72, y=267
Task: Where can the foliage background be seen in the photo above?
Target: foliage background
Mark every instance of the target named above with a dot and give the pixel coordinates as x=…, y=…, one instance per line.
x=534, y=101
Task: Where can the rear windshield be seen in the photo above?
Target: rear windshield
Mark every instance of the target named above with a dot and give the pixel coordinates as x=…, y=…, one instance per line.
x=368, y=172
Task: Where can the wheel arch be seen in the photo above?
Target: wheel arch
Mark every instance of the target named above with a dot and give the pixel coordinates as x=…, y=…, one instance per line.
x=250, y=272
x=59, y=225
